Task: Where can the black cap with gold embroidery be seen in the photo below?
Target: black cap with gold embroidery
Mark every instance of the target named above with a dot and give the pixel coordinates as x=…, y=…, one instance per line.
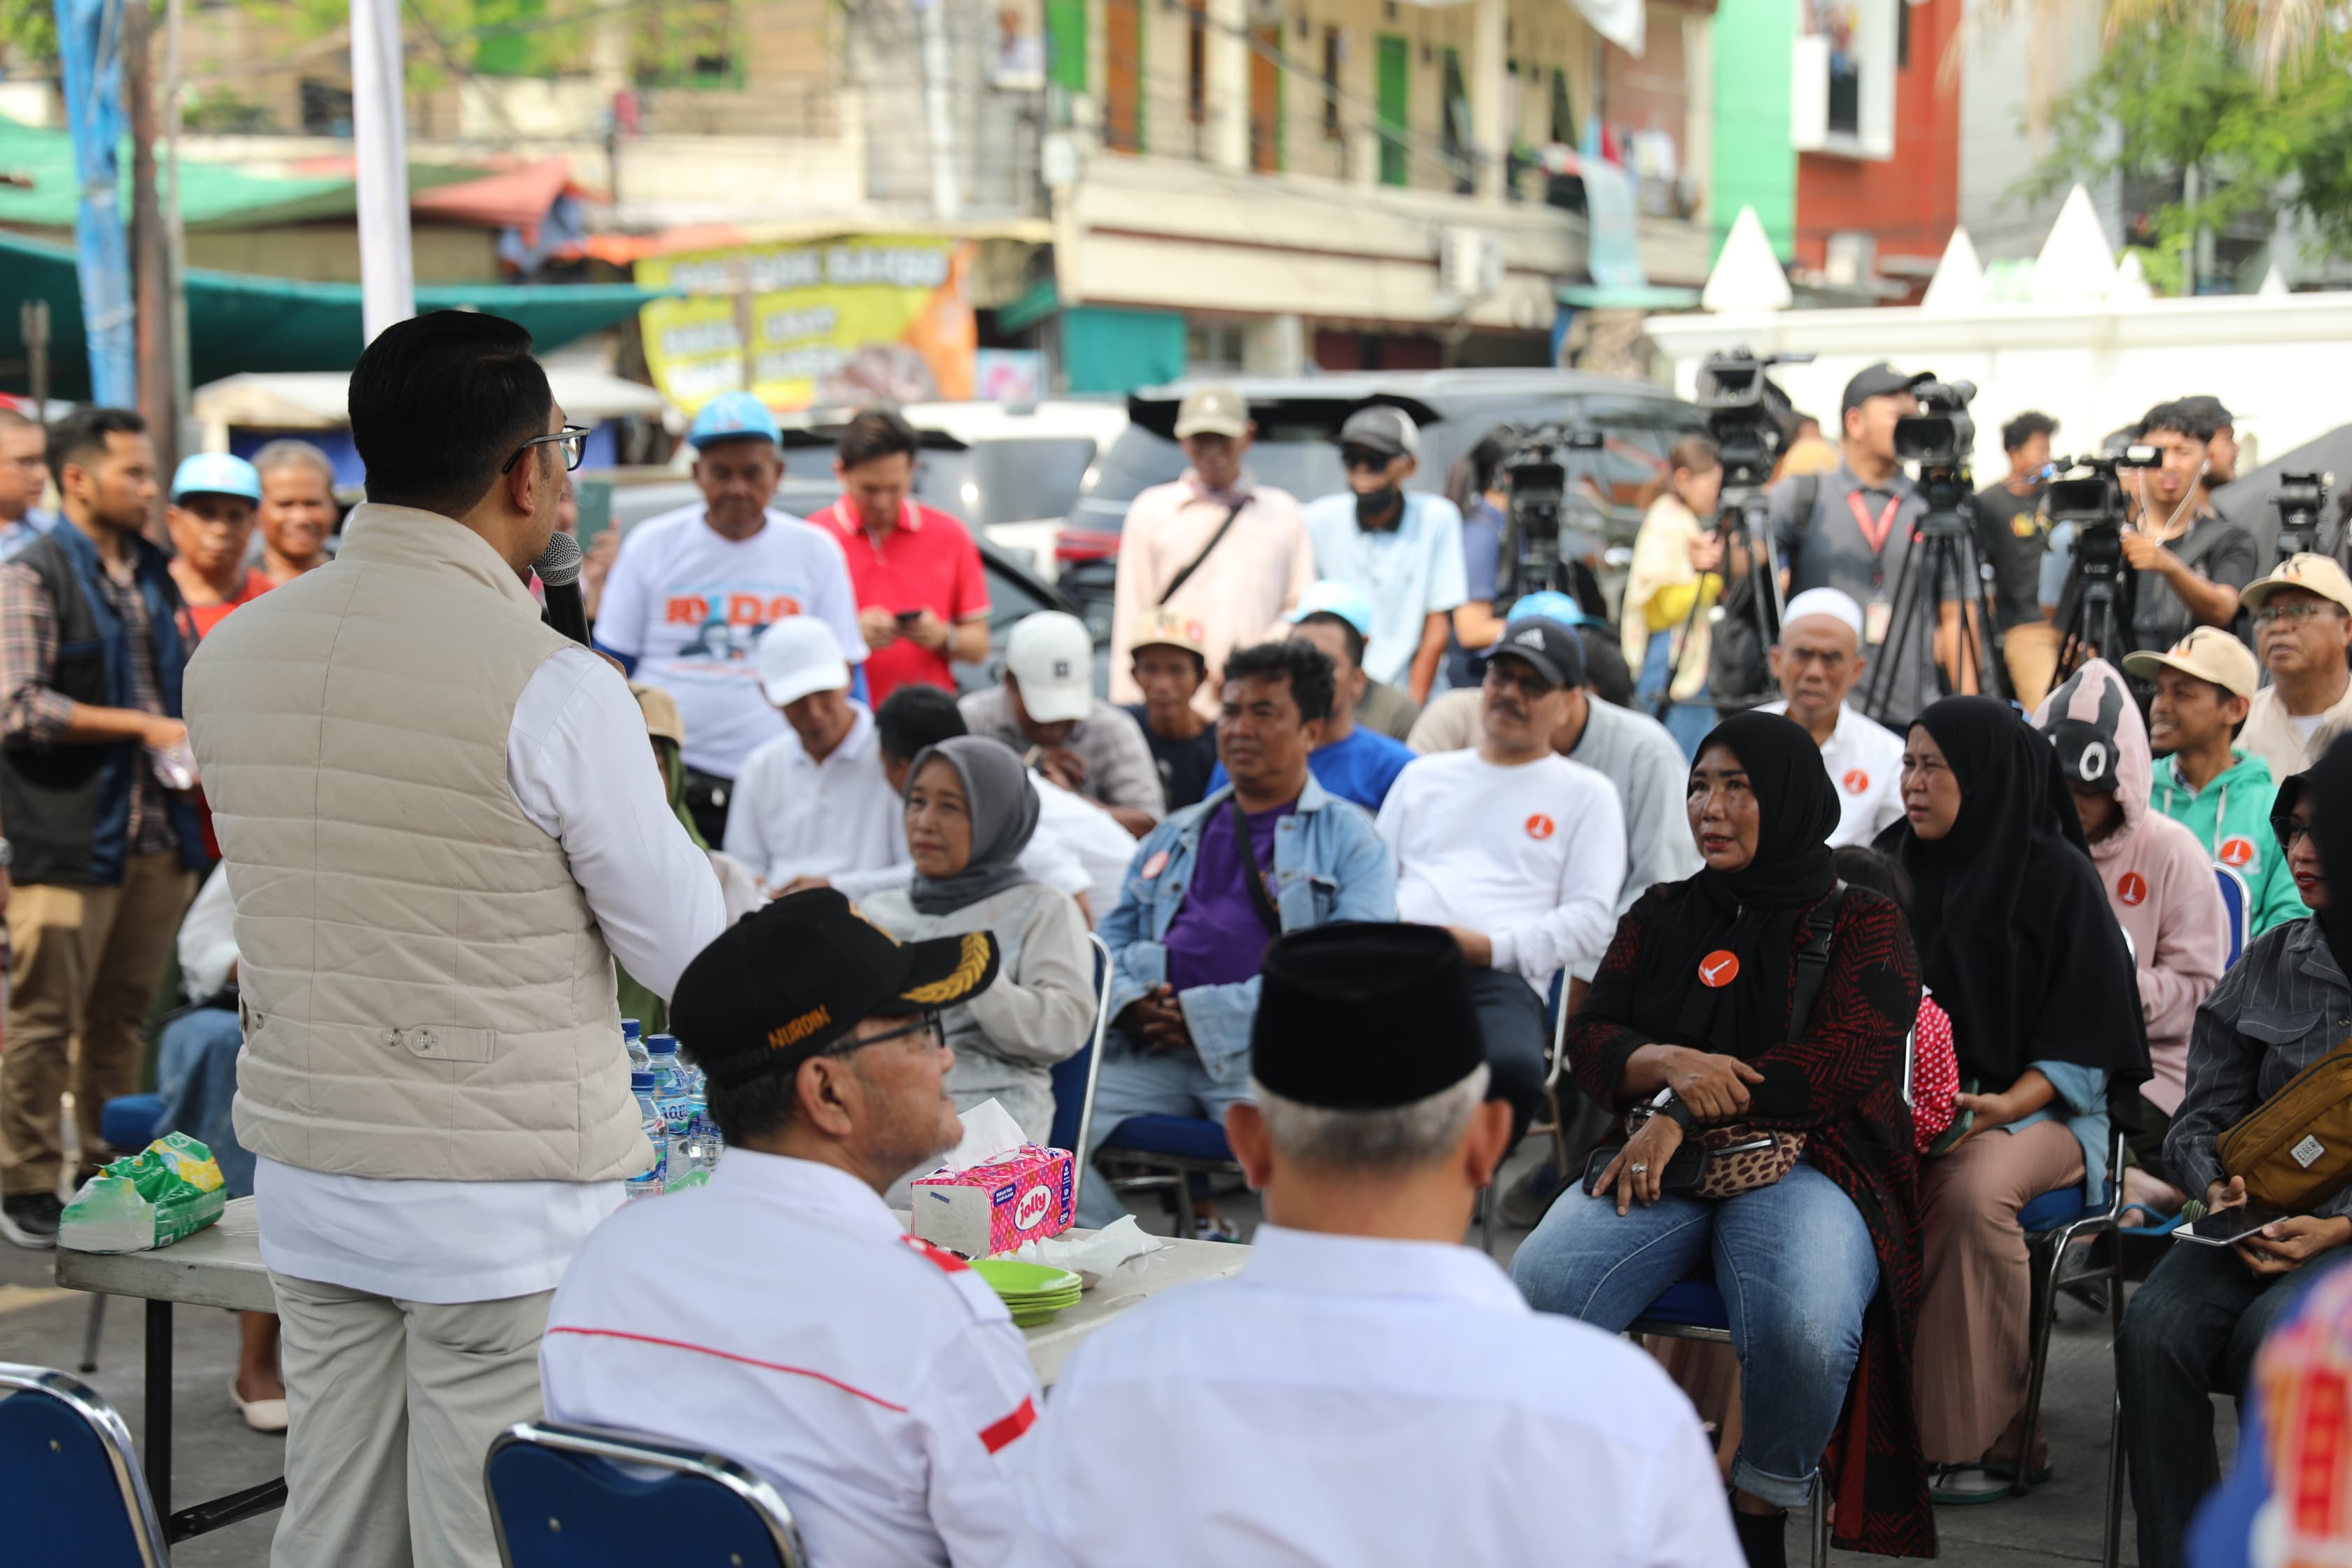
x=789, y=981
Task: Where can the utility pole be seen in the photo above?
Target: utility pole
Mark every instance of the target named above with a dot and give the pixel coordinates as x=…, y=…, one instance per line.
x=150, y=261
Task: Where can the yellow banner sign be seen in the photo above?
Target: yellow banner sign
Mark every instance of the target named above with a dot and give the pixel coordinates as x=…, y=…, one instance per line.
x=870, y=319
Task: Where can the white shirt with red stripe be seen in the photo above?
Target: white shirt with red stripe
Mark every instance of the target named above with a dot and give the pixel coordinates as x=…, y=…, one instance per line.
x=1366, y=1402
x=779, y=1316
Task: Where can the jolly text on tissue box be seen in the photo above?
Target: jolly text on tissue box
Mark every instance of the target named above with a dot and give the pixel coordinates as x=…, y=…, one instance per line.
x=995, y=1191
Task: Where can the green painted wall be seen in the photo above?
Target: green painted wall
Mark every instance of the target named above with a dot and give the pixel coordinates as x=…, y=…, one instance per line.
x=1104, y=349
x=1754, y=164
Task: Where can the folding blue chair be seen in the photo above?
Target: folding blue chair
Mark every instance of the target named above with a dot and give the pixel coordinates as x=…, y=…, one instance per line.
x=578, y=1497
x=2240, y=902
x=1168, y=1151
x=61, y=1443
x=2052, y=1223
x=1075, y=1078
x=1694, y=1310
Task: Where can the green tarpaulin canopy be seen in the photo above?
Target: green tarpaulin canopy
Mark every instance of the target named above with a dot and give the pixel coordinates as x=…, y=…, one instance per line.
x=240, y=324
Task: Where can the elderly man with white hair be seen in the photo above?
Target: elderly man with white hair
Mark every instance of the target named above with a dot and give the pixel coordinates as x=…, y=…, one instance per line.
x=1369, y=1391
x=1817, y=662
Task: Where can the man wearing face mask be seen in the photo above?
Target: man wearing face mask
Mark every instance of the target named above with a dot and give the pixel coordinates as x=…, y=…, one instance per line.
x=1402, y=549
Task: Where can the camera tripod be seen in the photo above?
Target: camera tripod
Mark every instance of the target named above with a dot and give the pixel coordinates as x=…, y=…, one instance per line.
x=2103, y=598
x=1751, y=601
x=1943, y=548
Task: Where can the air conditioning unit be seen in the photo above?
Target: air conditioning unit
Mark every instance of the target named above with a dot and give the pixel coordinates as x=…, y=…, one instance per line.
x=1469, y=263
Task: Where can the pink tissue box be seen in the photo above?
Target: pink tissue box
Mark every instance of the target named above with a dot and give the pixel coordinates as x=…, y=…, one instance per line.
x=1022, y=1196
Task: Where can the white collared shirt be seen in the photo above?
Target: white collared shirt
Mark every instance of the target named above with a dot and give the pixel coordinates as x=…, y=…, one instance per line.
x=780, y=1317
x=578, y=767
x=1864, y=761
x=1361, y=1401
x=793, y=816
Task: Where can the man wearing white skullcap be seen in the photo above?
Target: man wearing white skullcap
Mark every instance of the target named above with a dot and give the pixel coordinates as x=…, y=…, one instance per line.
x=1817, y=662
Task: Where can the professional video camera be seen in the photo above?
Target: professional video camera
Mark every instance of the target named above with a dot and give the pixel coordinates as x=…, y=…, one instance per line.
x=2299, y=497
x=1941, y=439
x=1748, y=416
x=2095, y=504
x=1543, y=502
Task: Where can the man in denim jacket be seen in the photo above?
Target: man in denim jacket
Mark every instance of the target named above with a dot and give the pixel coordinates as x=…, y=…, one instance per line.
x=1187, y=935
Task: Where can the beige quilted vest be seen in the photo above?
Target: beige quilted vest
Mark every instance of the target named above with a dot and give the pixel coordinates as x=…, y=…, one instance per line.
x=426, y=993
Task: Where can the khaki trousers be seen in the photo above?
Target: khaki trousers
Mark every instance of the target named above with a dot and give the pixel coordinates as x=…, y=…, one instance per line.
x=83, y=970
x=393, y=1404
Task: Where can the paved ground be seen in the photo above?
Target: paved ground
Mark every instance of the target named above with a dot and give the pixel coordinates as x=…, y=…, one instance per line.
x=2057, y=1523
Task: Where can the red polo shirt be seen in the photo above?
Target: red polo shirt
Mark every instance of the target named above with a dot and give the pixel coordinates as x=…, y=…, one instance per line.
x=927, y=563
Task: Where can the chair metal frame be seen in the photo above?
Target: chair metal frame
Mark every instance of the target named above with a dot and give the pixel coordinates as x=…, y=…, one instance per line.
x=2054, y=1243
x=1817, y=1527
x=2241, y=917
x=138, y=1503
x=627, y=1448
x=1081, y=1157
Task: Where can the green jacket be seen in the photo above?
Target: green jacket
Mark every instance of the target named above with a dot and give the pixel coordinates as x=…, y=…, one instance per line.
x=2231, y=818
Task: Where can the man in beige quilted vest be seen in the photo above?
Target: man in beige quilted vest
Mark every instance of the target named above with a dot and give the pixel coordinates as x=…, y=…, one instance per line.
x=439, y=830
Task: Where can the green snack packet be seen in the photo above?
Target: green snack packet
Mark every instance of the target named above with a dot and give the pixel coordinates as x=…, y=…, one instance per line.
x=172, y=1188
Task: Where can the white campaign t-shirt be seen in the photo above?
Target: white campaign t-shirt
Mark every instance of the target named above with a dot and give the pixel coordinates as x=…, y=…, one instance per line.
x=1864, y=761
x=1533, y=856
x=687, y=603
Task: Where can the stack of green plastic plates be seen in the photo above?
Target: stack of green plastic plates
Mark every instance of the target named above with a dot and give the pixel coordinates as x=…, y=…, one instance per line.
x=1033, y=1292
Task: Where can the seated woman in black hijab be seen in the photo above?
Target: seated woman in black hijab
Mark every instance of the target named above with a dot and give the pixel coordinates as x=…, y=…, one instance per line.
x=2018, y=943
x=1692, y=1010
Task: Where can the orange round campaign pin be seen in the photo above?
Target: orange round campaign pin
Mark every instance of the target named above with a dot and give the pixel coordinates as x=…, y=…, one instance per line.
x=2237, y=852
x=1718, y=969
x=2133, y=889
x=1540, y=827
x=1856, y=781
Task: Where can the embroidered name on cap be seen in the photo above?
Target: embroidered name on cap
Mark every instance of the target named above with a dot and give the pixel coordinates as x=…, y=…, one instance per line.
x=799, y=1029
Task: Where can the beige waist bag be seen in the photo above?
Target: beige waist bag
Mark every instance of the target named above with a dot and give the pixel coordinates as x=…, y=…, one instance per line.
x=2294, y=1150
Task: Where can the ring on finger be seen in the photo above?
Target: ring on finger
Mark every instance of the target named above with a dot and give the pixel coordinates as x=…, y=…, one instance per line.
x=1639, y=1169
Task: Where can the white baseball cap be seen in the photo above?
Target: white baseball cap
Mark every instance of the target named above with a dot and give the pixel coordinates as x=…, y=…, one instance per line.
x=1051, y=658
x=797, y=655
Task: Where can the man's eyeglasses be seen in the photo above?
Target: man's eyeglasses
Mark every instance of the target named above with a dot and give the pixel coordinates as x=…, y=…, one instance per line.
x=572, y=439
x=2294, y=614
x=930, y=1023
x=1354, y=457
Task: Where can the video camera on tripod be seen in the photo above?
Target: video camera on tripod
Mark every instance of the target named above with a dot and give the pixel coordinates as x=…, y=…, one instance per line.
x=2299, y=497
x=1939, y=439
x=1749, y=418
x=1747, y=414
x=2095, y=504
x=1543, y=504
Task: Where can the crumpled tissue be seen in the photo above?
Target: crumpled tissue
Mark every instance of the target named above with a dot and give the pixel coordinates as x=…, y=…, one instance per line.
x=1093, y=1257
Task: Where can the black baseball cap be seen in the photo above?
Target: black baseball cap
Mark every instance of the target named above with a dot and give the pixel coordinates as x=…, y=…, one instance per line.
x=1880, y=379
x=786, y=982
x=1555, y=650
x=1382, y=428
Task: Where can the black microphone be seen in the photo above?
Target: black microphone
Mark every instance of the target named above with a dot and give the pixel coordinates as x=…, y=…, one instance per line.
x=559, y=573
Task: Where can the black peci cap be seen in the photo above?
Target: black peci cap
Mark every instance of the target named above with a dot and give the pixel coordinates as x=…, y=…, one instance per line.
x=784, y=983
x=1364, y=1017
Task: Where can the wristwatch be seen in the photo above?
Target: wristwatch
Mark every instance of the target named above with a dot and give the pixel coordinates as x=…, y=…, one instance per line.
x=1669, y=1105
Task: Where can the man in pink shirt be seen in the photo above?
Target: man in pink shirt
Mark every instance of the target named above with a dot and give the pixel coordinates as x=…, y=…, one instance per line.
x=1230, y=556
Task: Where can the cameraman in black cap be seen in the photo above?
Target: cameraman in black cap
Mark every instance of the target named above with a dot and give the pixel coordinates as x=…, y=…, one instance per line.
x=1368, y=1390
x=779, y=1315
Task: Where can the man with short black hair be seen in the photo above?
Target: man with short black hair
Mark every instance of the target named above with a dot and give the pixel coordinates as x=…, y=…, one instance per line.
x=692, y=590
x=888, y=1407
x=1272, y=852
x=430, y=1083
x=104, y=849
x=2009, y=527
x=2221, y=446
x=922, y=597
x=1352, y=762
x=1517, y=850
x=2189, y=563
x=24, y=472
x=1852, y=529
x=1280, y=1396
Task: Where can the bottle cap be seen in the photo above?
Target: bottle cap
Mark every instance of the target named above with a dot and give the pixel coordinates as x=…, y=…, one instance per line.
x=641, y=1080
x=661, y=1043
x=631, y=1028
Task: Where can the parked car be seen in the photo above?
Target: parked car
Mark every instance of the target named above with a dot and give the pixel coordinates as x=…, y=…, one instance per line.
x=1298, y=419
x=1014, y=590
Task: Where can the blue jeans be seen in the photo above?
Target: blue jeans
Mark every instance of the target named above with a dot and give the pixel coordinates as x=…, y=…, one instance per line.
x=1136, y=1081
x=1688, y=722
x=196, y=1072
x=1796, y=1269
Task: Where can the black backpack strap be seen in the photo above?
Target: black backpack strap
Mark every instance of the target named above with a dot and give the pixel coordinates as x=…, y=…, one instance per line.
x=1814, y=961
x=1207, y=551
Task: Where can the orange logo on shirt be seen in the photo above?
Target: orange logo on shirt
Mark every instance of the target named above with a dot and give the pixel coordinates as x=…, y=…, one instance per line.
x=1541, y=828
x=1856, y=781
x=735, y=609
x=1718, y=969
x=2237, y=853
x=2132, y=888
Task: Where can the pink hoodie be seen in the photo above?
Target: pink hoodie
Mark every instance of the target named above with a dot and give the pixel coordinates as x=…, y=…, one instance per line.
x=2158, y=880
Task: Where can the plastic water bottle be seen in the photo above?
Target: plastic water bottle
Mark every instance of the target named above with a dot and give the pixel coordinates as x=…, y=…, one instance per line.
x=654, y=1179
x=704, y=1145
x=631, y=1040
x=671, y=1096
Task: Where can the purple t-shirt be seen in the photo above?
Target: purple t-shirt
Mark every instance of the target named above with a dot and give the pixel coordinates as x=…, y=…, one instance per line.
x=1216, y=939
